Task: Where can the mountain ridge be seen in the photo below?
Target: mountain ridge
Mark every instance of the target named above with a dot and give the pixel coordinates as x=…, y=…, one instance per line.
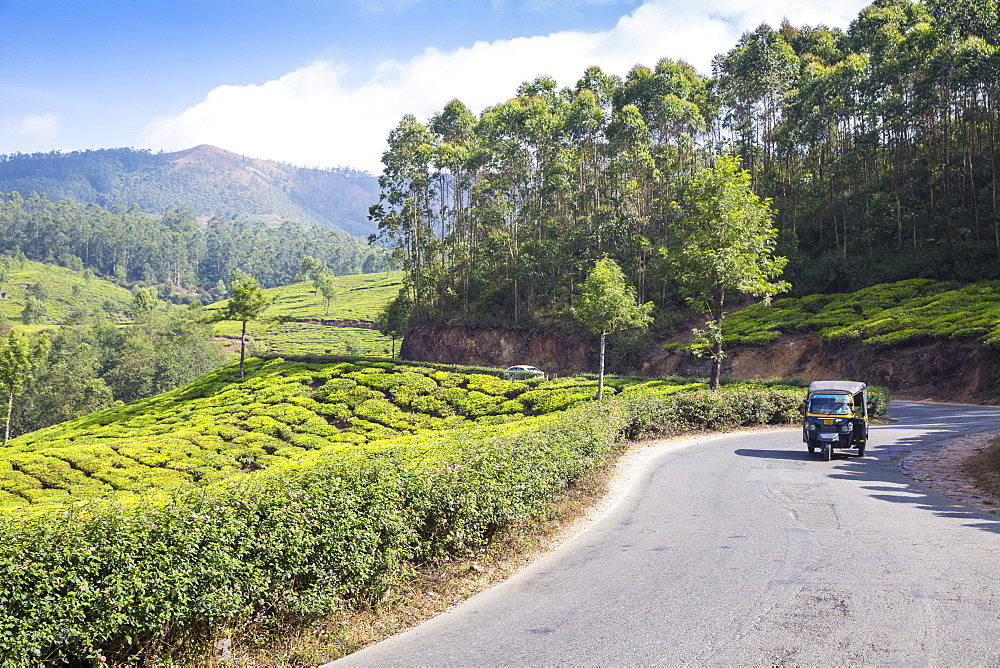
x=210, y=180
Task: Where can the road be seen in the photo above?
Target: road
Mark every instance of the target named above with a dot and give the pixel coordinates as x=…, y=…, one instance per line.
x=745, y=549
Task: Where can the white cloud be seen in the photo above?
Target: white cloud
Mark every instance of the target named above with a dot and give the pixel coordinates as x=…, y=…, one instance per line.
x=37, y=126
x=312, y=117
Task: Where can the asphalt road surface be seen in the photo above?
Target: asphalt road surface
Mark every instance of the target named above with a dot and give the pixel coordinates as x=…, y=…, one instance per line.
x=745, y=549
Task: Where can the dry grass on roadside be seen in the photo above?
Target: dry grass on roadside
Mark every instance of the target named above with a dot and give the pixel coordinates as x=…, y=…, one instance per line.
x=431, y=593
x=984, y=467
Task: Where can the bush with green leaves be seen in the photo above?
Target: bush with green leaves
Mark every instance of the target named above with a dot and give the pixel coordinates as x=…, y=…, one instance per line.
x=882, y=316
x=332, y=527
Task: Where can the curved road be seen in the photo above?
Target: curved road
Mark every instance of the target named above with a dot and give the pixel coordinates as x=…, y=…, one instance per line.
x=744, y=549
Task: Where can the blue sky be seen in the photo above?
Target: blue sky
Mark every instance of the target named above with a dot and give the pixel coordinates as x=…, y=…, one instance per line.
x=321, y=82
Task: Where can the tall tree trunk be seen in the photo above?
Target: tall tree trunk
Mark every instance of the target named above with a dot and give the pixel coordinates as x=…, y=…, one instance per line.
x=243, y=346
x=717, y=354
x=600, y=382
x=10, y=408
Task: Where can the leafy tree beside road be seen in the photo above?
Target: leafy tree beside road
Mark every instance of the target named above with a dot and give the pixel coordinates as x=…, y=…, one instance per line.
x=608, y=304
x=722, y=242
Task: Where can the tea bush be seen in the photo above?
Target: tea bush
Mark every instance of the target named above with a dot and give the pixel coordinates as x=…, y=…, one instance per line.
x=333, y=527
x=298, y=490
x=888, y=315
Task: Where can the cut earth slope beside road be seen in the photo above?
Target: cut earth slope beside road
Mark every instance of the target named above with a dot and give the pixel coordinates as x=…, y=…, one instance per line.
x=952, y=370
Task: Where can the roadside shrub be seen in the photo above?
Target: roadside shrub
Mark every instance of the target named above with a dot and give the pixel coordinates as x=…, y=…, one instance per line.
x=878, y=401
x=335, y=527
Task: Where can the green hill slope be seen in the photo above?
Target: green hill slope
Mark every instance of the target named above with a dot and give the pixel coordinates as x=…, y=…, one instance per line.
x=294, y=325
x=61, y=290
x=208, y=179
x=886, y=315
x=219, y=426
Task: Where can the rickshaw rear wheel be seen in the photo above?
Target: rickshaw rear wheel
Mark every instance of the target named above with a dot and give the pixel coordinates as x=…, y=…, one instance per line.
x=861, y=450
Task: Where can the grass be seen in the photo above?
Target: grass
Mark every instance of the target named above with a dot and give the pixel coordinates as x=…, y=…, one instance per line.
x=66, y=290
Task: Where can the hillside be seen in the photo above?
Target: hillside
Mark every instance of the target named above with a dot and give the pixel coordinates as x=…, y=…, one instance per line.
x=61, y=291
x=297, y=323
x=210, y=180
x=920, y=338
x=220, y=426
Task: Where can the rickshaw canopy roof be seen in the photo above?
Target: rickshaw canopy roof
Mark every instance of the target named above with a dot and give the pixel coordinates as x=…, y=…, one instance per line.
x=836, y=386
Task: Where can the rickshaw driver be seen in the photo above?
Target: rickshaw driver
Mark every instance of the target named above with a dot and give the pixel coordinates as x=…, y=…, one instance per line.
x=830, y=404
x=844, y=407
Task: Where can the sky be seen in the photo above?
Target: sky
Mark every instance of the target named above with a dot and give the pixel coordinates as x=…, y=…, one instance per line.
x=320, y=83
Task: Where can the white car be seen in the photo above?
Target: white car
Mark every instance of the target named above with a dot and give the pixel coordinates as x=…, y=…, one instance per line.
x=522, y=371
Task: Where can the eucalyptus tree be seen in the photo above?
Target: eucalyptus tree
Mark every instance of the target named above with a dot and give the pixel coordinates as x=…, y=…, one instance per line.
x=453, y=131
x=404, y=209
x=516, y=137
x=753, y=78
x=584, y=123
x=632, y=178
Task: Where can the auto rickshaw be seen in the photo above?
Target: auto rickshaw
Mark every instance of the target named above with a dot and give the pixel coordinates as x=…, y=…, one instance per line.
x=835, y=415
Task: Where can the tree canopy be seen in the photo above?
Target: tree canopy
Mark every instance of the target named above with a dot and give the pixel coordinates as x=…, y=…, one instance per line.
x=875, y=146
x=722, y=242
x=247, y=302
x=173, y=248
x=19, y=360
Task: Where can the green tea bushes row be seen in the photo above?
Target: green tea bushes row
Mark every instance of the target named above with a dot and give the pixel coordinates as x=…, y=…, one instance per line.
x=103, y=580
x=883, y=316
x=221, y=426
x=336, y=527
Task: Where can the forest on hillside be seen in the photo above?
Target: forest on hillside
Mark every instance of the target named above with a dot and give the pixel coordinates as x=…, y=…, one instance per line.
x=173, y=249
x=877, y=147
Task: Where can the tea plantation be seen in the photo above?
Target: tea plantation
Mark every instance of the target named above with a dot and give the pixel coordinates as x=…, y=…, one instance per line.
x=887, y=315
x=219, y=426
x=307, y=487
x=292, y=324
x=60, y=291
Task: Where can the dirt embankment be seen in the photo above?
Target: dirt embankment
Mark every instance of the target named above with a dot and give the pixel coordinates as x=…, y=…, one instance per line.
x=555, y=353
x=944, y=370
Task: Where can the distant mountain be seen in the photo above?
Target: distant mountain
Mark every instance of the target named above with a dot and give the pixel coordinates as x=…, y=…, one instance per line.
x=208, y=179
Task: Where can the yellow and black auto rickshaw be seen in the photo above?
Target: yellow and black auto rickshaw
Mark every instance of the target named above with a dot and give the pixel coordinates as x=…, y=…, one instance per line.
x=835, y=416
